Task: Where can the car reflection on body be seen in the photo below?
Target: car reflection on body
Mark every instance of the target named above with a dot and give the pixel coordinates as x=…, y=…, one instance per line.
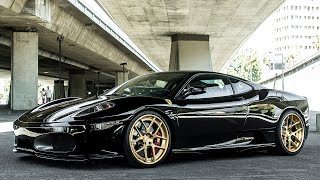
x=151, y=116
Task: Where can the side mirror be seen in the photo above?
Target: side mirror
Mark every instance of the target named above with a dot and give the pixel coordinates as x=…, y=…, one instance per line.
x=193, y=90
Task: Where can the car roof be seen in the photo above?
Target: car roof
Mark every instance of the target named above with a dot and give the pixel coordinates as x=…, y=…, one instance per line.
x=191, y=73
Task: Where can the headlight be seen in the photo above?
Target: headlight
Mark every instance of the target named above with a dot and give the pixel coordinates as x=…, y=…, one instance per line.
x=106, y=125
x=103, y=106
x=96, y=108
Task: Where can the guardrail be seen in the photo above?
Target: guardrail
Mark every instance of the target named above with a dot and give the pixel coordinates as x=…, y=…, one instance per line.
x=95, y=18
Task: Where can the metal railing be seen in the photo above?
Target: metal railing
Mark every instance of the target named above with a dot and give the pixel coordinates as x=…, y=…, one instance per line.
x=95, y=18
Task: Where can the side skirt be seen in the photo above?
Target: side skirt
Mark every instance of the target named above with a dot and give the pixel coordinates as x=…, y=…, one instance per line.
x=218, y=147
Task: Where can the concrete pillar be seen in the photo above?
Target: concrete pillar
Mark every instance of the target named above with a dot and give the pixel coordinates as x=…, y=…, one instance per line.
x=56, y=90
x=24, y=70
x=119, y=77
x=190, y=52
x=91, y=88
x=77, y=84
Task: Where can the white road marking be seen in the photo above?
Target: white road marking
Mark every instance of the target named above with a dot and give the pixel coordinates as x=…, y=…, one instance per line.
x=6, y=127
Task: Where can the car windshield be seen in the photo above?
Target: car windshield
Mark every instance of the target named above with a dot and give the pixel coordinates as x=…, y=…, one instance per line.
x=155, y=85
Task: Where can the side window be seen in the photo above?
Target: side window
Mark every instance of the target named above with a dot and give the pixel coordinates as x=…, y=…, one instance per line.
x=240, y=87
x=215, y=86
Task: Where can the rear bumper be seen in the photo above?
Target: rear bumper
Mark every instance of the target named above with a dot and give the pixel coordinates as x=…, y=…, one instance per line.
x=307, y=130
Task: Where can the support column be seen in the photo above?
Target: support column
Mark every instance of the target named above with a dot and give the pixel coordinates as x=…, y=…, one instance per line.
x=190, y=52
x=120, y=79
x=91, y=88
x=24, y=70
x=57, y=89
x=77, y=84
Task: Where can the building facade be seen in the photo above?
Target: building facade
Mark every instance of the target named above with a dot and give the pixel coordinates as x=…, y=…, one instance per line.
x=296, y=29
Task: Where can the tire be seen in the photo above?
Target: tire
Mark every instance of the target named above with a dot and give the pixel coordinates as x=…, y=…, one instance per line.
x=290, y=134
x=147, y=140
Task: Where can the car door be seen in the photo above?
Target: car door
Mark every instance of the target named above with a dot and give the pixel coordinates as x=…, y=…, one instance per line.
x=216, y=116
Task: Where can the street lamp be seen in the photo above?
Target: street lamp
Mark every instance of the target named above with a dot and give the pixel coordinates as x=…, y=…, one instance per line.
x=98, y=83
x=60, y=38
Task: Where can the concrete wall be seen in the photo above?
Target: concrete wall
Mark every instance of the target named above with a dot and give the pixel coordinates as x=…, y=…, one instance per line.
x=304, y=82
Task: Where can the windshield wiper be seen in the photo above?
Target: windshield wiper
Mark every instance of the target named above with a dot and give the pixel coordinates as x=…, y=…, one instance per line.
x=121, y=95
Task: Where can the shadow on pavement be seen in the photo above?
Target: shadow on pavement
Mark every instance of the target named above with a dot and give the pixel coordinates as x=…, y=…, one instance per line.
x=121, y=163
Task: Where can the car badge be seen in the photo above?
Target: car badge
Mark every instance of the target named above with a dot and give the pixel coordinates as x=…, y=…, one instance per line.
x=168, y=101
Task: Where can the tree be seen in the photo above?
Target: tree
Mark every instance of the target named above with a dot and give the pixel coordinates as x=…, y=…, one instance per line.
x=316, y=42
x=246, y=65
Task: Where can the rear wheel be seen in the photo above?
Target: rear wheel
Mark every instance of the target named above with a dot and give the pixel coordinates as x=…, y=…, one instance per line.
x=147, y=140
x=290, y=134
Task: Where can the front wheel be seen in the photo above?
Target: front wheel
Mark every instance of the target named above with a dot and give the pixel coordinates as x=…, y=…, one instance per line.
x=290, y=134
x=147, y=140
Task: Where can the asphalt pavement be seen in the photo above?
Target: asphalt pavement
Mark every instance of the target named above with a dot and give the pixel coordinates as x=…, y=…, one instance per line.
x=216, y=165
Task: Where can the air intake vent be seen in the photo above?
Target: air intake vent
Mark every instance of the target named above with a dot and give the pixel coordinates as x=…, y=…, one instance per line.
x=55, y=142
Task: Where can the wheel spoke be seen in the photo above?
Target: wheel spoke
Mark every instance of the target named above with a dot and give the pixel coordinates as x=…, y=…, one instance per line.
x=289, y=144
x=143, y=124
x=136, y=140
x=159, y=125
x=159, y=147
x=161, y=137
x=142, y=148
x=135, y=127
x=150, y=125
x=294, y=144
x=287, y=122
x=295, y=124
x=153, y=153
x=298, y=130
x=146, y=153
x=296, y=138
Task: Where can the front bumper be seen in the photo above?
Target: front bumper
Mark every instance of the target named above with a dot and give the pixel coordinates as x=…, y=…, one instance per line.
x=65, y=142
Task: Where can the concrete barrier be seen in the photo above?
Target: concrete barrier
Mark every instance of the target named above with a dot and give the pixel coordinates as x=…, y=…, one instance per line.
x=318, y=122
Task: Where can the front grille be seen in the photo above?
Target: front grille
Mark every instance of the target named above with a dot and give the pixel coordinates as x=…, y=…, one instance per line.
x=55, y=142
x=63, y=142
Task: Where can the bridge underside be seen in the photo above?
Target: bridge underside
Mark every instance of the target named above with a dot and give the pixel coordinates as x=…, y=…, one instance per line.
x=150, y=24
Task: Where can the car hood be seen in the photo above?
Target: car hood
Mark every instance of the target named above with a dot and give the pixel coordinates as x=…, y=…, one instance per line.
x=58, y=109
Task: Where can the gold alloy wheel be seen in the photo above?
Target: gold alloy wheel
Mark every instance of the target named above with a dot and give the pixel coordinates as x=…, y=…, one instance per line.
x=292, y=132
x=149, y=139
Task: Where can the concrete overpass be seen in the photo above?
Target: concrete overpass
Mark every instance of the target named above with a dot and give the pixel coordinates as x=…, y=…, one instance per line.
x=28, y=40
x=151, y=24
x=202, y=35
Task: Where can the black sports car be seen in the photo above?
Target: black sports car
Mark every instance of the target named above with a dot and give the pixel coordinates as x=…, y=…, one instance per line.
x=150, y=116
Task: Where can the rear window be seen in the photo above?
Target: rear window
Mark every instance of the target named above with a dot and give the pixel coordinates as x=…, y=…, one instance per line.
x=240, y=87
